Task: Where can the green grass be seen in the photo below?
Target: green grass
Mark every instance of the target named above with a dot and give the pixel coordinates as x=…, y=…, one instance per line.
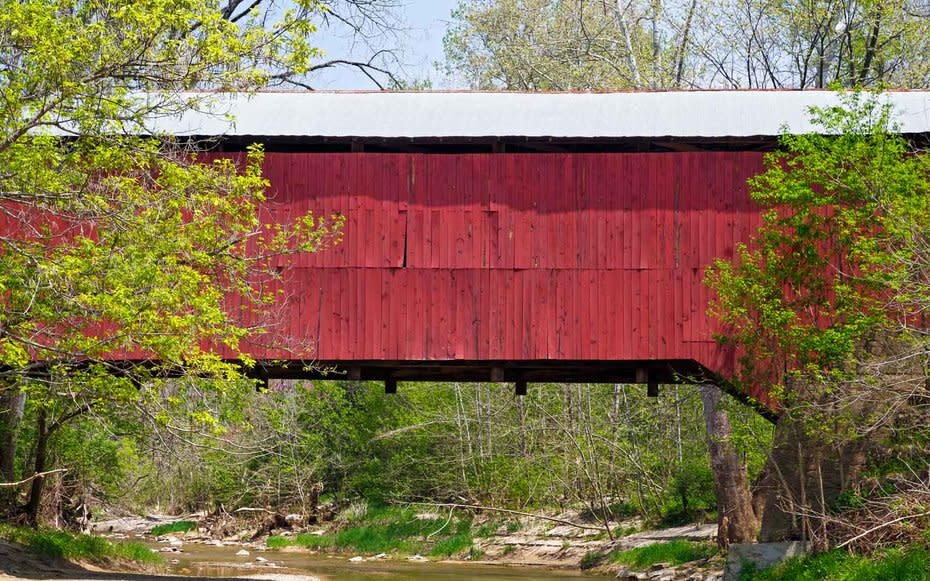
x=460, y=542
x=78, y=547
x=385, y=530
x=276, y=542
x=672, y=552
x=892, y=565
x=181, y=526
x=488, y=529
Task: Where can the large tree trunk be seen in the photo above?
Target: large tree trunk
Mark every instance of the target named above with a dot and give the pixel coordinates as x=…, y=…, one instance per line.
x=805, y=476
x=736, y=521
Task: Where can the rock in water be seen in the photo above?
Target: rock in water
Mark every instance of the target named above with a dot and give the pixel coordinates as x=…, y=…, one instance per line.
x=242, y=553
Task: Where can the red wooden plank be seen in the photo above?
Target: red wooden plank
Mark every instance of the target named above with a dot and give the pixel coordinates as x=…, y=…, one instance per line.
x=533, y=319
x=484, y=331
x=517, y=315
x=544, y=293
x=523, y=211
x=400, y=316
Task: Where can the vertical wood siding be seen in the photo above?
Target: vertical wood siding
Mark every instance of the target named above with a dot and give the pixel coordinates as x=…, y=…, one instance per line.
x=513, y=256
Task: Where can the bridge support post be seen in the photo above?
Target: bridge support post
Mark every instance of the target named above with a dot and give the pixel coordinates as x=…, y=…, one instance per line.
x=519, y=388
x=390, y=386
x=644, y=376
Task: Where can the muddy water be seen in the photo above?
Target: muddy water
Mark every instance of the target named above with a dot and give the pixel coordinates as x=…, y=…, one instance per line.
x=211, y=561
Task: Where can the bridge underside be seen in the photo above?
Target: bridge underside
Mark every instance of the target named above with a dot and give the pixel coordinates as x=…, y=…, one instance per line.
x=650, y=373
x=546, y=371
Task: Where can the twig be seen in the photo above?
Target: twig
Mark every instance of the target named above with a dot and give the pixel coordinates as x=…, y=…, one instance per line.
x=31, y=478
x=453, y=505
x=881, y=526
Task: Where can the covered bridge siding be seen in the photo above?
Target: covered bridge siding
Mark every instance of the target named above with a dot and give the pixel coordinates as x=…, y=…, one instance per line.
x=514, y=237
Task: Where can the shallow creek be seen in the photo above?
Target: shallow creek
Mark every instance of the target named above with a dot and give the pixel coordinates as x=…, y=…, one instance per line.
x=205, y=560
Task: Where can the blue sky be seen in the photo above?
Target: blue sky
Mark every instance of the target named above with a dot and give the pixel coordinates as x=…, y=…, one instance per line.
x=420, y=45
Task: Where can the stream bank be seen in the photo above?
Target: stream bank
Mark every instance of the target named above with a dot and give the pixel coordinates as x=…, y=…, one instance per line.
x=392, y=541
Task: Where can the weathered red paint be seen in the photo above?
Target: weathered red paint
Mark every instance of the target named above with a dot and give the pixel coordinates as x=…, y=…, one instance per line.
x=484, y=257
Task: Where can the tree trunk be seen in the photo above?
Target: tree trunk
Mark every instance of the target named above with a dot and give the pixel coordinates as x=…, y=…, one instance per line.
x=737, y=522
x=35, y=493
x=12, y=404
x=805, y=475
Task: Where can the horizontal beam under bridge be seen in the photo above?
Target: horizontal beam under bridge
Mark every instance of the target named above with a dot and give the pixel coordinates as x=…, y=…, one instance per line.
x=536, y=371
x=647, y=372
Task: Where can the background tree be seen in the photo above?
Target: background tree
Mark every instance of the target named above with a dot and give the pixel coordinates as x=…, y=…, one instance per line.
x=655, y=44
x=571, y=45
x=813, y=44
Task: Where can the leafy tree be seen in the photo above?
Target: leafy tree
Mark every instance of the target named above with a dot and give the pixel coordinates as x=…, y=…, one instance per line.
x=570, y=45
x=118, y=242
x=838, y=257
x=603, y=44
x=826, y=303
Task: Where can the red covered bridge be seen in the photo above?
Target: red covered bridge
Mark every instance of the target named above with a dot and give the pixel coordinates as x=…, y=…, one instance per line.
x=515, y=237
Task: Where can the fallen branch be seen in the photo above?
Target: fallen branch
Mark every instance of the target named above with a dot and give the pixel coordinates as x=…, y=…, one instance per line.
x=453, y=506
x=31, y=478
x=250, y=509
x=881, y=526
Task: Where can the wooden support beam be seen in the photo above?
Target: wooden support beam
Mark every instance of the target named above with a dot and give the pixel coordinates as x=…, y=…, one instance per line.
x=652, y=389
x=642, y=375
x=519, y=388
x=354, y=373
x=390, y=386
x=497, y=374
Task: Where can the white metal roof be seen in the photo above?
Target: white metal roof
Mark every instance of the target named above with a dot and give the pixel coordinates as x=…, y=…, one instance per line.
x=697, y=114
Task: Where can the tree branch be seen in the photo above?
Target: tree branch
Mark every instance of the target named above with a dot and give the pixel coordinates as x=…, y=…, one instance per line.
x=31, y=478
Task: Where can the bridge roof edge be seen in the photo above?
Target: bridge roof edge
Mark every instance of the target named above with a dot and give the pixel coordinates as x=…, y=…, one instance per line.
x=476, y=115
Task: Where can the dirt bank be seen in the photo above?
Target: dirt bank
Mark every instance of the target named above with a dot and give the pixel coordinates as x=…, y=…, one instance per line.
x=18, y=563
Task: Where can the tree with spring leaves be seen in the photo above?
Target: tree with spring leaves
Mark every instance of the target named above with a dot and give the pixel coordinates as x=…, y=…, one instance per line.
x=117, y=241
x=827, y=306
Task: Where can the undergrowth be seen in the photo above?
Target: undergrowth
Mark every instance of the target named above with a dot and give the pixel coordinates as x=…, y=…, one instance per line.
x=672, y=553
x=390, y=529
x=181, y=526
